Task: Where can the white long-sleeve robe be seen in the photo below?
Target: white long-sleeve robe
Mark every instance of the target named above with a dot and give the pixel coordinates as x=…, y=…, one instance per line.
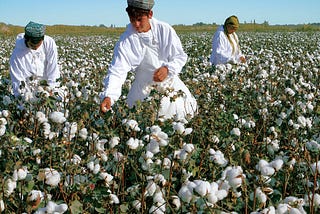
x=129, y=52
x=222, y=49
x=41, y=64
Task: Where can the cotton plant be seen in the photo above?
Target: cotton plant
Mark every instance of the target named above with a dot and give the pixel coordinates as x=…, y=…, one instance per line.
x=50, y=176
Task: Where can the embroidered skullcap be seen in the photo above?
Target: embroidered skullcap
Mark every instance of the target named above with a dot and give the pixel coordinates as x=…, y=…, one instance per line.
x=33, y=29
x=232, y=20
x=142, y=4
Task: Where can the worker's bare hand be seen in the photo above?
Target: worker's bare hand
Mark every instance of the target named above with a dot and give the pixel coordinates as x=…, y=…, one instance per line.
x=160, y=74
x=105, y=105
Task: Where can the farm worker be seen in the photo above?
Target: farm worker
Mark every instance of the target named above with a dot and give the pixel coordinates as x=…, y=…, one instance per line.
x=225, y=44
x=152, y=49
x=34, y=58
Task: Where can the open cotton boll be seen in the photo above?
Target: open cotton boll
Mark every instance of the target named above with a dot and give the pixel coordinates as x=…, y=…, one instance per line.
x=61, y=208
x=136, y=204
x=277, y=164
x=202, y=187
x=114, y=199
x=57, y=117
x=114, y=142
x=151, y=188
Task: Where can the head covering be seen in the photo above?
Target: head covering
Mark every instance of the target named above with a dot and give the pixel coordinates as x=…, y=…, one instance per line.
x=142, y=4
x=33, y=29
x=232, y=20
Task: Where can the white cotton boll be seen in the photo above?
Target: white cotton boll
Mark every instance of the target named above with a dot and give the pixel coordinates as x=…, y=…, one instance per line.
x=302, y=121
x=3, y=121
x=153, y=147
x=166, y=163
x=136, y=204
x=90, y=165
x=114, y=199
x=183, y=155
x=106, y=176
x=290, y=92
x=157, y=209
x=104, y=156
x=212, y=198
x=133, y=143
x=114, y=142
x=261, y=196
x=96, y=169
x=235, y=131
x=178, y=127
x=117, y=156
x=277, y=164
x=185, y=193
x=36, y=151
x=83, y=133
x=158, y=198
x=151, y=188
x=187, y=131
x=2, y=130
x=76, y=159
x=267, y=170
x=35, y=195
x=221, y=194
x=176, y=203
x=51, y=206
x=202, y=187
x=2, y=206
x=5, y=113
x=262, y=163
x=283, y=208
x=52, y=177
x=188, y=147
x=215, y=139
x=315, y=167
x=57, y=117
x=61, y=208
x=22, y=173
x=11, y=186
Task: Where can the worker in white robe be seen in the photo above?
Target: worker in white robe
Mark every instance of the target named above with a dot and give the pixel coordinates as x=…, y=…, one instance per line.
x=152, y=50
x=225, y=44
x=34, y=58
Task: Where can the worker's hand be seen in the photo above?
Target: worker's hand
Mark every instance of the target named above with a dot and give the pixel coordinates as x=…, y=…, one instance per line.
x=242, y=59
x=160, y=74
x=105, y=105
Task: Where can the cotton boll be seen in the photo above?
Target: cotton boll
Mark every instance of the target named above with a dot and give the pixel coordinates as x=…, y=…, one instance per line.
x=235, y=131
x=96, y=169
x=267, y=171
x=166, y=163
x=114, y=199
x=151, y=188
x=202, y=187
x=185, y=194
x=2, y=206
x=114, y=142
x=11, y=186
x=153, y=147
x=57, y=117
x=61, y=208
x=277, y=164
x=51, y=207
x=175, y=202
x=133, y=143
x=136, y=204
x=90, y=165
x=188, y=147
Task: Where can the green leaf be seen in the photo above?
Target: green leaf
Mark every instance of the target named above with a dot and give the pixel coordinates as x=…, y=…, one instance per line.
x=76, y=207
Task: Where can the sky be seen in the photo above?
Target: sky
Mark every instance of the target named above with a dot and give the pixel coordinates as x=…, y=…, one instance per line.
x=187, y=12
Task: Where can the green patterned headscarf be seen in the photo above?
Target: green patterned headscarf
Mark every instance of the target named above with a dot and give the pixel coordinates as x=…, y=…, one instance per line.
x=33, y=29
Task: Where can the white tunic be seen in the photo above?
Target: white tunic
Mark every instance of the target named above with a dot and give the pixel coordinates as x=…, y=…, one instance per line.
x=40, y=64
x=144, y=53
x=222, y=49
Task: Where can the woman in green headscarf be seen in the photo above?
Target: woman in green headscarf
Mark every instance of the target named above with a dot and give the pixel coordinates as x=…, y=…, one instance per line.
x=225, y=44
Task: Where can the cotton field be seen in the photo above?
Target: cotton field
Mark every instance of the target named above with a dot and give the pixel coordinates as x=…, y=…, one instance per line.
x=253, y=147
